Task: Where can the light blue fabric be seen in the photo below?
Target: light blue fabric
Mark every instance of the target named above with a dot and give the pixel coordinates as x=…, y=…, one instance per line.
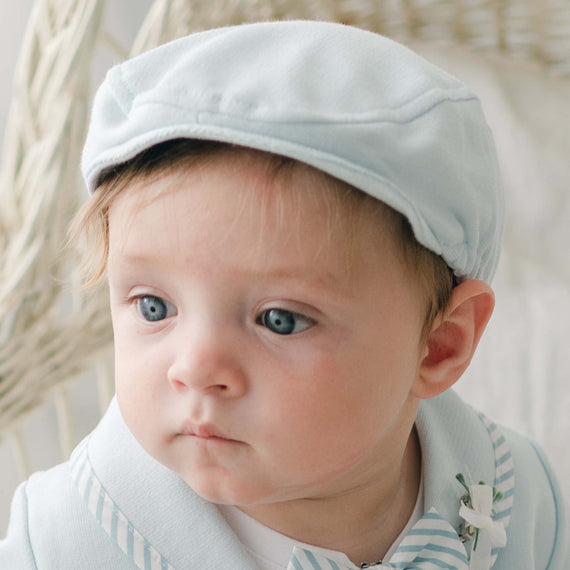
x=349, y=102
x=52, y=529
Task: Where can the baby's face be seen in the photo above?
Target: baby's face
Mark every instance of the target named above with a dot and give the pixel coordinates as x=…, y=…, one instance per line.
x=248, y=360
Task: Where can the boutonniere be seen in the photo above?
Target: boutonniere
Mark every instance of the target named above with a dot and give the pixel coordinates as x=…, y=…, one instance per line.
x=477, y=509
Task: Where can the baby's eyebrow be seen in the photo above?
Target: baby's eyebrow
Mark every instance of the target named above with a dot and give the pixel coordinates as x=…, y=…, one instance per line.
x=140, y=249
x=324, y=281
x=320, y=281
x=131, y=259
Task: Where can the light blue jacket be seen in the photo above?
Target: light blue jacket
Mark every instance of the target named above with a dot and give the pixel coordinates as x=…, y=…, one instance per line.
x=114, y=507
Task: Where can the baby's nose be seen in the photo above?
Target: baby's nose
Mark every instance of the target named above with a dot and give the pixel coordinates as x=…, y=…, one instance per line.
x=208, y=366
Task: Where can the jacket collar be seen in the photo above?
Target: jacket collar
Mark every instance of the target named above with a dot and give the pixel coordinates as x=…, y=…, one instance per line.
x=118, y=481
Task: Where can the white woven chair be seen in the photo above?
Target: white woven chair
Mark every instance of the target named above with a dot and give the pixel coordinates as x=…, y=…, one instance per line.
x=55, y=340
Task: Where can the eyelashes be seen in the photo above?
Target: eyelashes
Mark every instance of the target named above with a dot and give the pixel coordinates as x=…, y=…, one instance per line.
x=284, y=322
x=279, y=321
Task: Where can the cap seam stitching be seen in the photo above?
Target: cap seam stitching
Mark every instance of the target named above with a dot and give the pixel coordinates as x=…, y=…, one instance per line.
x=324, y=119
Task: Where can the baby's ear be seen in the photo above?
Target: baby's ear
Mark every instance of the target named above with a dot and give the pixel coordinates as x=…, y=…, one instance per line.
x=454, y=337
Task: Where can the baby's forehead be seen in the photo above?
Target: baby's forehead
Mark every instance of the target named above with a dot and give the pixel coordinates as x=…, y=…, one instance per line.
x=274, y=186
x=283, y=200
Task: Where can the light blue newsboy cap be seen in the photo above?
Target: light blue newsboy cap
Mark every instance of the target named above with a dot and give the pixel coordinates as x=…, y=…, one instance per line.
x=349, y=102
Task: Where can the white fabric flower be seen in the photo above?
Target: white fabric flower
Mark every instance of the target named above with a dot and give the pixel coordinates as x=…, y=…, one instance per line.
x=491, y=533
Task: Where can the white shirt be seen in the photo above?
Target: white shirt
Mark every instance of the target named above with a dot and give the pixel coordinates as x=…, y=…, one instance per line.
x=271, y=550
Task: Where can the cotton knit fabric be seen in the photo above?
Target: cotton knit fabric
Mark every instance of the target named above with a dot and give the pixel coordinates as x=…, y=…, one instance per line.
x=349, y=102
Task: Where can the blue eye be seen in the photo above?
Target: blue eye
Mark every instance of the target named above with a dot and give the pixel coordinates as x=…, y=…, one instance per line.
x=281, y=321
x=154, y=308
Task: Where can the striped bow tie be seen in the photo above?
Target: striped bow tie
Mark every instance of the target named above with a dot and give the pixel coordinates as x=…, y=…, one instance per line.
x=432, y=543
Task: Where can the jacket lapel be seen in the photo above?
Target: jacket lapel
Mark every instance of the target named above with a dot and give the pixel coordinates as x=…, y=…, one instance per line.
x=455, y=439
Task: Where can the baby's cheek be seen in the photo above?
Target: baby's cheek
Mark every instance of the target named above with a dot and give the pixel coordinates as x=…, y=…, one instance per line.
x=308, y=430
x=140, y=391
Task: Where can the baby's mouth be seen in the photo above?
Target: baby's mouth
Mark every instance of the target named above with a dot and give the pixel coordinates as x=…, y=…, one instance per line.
x=205, y=431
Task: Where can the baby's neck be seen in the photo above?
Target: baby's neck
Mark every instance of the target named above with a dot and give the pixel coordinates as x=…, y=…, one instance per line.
x=363, y=523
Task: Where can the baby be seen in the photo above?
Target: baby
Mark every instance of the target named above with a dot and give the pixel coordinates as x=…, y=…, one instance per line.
x=298, y=223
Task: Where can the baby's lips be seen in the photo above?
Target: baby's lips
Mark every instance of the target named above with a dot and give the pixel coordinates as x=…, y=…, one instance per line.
x=203, y=431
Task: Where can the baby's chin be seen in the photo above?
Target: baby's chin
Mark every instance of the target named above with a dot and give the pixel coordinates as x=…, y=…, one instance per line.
x=247, y=490
x=230, y=492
